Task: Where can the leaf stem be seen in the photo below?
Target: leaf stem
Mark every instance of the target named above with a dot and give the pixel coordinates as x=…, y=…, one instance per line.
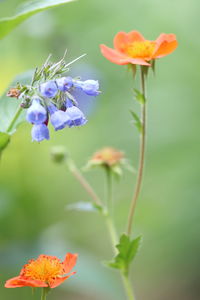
x=141, y=159
x=85, y=184
x=14, y=119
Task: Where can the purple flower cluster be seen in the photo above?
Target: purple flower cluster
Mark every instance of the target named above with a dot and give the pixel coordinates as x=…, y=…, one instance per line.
x=55, y=103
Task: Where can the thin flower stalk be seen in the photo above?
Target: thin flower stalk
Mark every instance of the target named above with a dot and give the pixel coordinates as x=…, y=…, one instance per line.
x=141, y=158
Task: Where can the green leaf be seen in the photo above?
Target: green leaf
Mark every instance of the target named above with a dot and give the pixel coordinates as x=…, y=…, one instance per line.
x=84, y=206
x=137, y=121
x=4, y=140
x=139, y=96
x=127, y=250
x=28, y=10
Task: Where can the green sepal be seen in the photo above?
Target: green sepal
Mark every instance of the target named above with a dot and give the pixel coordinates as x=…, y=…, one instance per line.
x=145, y=70
x=139, y=96
x=137, y=121
x=153, y=66
x=127, y=249
x=84, y=206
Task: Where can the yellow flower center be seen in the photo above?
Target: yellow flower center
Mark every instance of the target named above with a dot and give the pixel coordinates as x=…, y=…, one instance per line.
x=44, y=268
x=143, y=49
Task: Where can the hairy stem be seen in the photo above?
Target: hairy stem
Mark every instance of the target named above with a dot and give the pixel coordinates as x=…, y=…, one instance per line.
x=85, y=184
x=113, y=233
x=141, y=158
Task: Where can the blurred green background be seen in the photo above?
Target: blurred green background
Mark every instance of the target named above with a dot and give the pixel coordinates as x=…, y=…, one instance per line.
x=34, y=191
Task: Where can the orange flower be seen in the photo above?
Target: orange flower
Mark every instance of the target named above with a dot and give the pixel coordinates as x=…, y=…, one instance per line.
x=107, y=156
x=132, y=48
x=45, y=271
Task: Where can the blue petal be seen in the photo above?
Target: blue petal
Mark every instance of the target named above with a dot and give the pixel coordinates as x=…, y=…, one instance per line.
x=40, y=132
x=76, y=116
x=48, y=89
x=90, y=87
x=64, y=83
x=36, y=113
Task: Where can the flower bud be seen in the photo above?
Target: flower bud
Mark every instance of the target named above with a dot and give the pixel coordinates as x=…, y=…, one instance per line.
x=58, y=154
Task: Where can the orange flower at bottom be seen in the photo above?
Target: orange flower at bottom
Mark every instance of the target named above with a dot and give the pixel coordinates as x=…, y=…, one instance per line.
x=45, y=271
x=133, y=48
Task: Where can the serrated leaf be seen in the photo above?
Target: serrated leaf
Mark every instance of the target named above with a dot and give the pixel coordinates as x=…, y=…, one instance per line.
x=28, y=10
x=137, y=121
x=139, y=96
x=84, y=206
x=4, y=140
x=127, y=250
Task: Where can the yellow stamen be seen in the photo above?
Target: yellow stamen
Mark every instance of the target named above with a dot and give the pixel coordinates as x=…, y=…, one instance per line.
x=143, y=49
x=44, y=268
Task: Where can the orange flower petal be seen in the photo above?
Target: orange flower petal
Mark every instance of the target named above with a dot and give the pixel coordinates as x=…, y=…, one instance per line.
x=165, y=44
x=58, y=281
x=135, y=36
x=119, y=58
x=20, y=282
x=121, y=39
x=69, y=262
x=113, y=55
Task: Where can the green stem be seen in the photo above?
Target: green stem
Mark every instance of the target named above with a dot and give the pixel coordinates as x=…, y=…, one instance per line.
x=114, y=240
x=111, y=229
x=44, y=293
x=109, y=190
x=128, y=287
x=85, y=184
x=14, y=119
x=141, y=159
x=113, y=233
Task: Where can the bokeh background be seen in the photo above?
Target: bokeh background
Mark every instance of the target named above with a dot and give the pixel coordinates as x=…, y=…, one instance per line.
x=34, y=191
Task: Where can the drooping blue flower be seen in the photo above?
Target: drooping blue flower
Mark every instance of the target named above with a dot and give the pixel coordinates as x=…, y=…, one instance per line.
x=40, y=132
x=90, y=87
x=36, y=113
x=64, y=83
x=76, y=116
x=48, y=89
x=58, y=118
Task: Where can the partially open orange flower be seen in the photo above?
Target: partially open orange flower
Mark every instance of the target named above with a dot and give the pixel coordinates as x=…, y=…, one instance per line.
x=45, y=271
x=132, y=48
x=107, y=156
